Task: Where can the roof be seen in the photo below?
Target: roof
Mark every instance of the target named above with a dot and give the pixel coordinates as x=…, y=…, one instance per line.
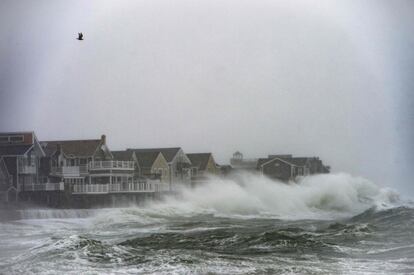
x=80, y=148
x=146, y=159
x=263, y=161
x=199, y=159
x=168, y=153
x=123, y=155
x=298, y=161
x=13, y=150
x=301, y=161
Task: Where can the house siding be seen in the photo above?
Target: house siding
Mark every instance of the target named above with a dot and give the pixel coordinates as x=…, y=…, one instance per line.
x=277, y=169
x=160, y=165
x=212, y=166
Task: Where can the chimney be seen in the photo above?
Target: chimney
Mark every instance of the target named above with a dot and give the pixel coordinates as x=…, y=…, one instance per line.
x=103, y=139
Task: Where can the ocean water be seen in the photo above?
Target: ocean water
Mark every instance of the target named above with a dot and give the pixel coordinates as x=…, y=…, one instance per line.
x=327, y=224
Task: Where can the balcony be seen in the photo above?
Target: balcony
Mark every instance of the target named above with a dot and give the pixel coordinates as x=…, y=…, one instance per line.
x=111, y=164
x=69, y=171
x=131, y=187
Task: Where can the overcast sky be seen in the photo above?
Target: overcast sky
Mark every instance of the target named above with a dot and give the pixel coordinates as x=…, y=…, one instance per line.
x=327, y=78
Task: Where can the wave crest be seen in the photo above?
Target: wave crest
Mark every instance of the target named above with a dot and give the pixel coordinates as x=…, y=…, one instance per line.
x=315, y=197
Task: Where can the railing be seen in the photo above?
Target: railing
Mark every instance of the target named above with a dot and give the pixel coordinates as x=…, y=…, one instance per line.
x=90, y=188
x=111, y=164
x=132, y=187
x=43, y=187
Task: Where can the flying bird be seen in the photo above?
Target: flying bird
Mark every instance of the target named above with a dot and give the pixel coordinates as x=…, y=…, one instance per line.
x=80, y=36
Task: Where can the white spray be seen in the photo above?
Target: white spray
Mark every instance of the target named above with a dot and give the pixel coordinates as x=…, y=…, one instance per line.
x=321, y=196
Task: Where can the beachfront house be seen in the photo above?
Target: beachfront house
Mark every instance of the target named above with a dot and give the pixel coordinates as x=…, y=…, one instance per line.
x=287, y=167
x=202, y=165
x=21, y=153
x=153, y=165
x=89, y=161
x=179, y=165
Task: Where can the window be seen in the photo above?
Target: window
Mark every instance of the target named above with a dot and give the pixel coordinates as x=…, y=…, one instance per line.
x=16, y=139
x=4, y=139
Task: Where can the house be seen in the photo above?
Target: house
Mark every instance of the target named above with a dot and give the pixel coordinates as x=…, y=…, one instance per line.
x=179, y=165
x=202, y=164
x=276, y=168
x=287, y=167
x=153, y=165
x=21, y=153
x=85, y=162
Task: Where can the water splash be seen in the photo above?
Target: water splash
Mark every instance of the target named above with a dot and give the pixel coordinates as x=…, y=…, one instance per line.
x=315, y=197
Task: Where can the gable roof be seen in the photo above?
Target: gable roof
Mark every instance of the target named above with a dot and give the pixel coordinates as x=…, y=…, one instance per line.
x=296, y=161
x=14, y=150
x=145, y=158
x=199, y=159
x=168, y=153
x=265, y=161
x=79, y=148
x=123, y=155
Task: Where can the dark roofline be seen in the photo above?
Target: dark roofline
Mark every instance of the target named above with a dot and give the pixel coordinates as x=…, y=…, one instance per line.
x=283, y=160
x=62, y=142
x=161, y=150
x=155, y=149
x=69, y=140
x=201, y=158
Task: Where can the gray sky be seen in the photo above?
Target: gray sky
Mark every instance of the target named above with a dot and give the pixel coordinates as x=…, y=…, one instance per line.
x=327, y=78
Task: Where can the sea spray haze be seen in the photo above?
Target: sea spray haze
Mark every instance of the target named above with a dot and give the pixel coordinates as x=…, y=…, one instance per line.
x=328, y=224
x=313, y=197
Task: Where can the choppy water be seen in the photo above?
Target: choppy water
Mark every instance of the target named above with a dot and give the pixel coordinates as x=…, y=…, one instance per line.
x=332, y=224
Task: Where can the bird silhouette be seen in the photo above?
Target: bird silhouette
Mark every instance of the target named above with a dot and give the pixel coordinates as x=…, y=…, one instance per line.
x=80, y=36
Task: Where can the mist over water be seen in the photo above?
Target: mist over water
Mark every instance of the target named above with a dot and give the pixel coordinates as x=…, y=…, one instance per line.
x=248, y=224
